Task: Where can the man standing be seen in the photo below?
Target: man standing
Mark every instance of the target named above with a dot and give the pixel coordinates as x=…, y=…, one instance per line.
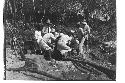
x=83, y=32
x=87, y=32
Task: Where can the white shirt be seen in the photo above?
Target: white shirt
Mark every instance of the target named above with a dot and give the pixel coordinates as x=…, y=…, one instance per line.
x=62, y=47
x=48, y=36
x=65, y=38
x=38, y=35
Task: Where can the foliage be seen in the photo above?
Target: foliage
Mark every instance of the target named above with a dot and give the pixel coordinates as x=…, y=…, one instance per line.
x=99, y=14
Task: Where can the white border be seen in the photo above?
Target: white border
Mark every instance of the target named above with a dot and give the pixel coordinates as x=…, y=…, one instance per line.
x=120, y=41
x=1, y=40
x=120, y=46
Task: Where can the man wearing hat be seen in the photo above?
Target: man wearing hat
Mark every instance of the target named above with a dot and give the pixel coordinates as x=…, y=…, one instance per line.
x=47, y=29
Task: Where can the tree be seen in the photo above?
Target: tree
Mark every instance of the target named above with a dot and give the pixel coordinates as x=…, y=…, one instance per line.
x=99, y=14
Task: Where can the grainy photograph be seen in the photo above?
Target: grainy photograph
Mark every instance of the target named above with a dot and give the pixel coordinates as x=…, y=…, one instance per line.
x=60, y=40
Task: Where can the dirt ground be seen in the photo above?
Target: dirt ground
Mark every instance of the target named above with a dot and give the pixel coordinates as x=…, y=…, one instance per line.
x=62, y=69
x=42, y=69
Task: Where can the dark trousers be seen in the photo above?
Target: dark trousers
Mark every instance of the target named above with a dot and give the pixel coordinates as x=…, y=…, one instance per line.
x=48, y=54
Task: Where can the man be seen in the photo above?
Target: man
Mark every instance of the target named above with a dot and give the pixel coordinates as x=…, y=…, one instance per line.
x=44, y=47
x=40, y=40
x=87, y=32
x=62, y=43
x=49, y=38
x=82, y=35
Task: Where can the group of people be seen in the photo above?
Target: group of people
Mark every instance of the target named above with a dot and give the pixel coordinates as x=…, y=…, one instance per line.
x=50, y=39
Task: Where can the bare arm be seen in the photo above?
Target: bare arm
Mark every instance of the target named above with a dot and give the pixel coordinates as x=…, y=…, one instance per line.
x=53, y=37
x=81, y=30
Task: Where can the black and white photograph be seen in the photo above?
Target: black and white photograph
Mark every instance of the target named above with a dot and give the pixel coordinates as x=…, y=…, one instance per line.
x=60, y=40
